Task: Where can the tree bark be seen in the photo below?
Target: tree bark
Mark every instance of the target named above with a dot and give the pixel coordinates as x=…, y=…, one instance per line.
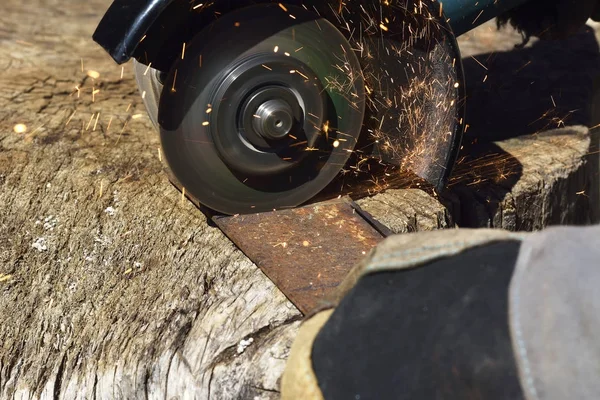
x=113, y=286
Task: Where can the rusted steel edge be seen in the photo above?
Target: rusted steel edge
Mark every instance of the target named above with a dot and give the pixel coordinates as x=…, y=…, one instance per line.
x=306, y=251
x=338, y=235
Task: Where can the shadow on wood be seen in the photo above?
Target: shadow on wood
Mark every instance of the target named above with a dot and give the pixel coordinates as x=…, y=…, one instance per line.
x=533, y=89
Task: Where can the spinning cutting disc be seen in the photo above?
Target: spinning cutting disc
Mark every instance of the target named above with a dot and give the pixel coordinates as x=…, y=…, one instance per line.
x=413, y=107
x=263, y=110
x=413, y=74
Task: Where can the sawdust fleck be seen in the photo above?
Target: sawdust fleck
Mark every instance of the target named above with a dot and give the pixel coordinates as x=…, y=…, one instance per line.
x=40, y=244
x=243, y=345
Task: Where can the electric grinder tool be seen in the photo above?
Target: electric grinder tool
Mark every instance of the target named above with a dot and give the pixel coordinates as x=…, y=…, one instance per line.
x=260, y=104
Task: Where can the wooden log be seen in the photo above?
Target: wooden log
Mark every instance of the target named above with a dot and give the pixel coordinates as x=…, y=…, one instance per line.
x=524, y=183
x=113, y=286
x=534, y=181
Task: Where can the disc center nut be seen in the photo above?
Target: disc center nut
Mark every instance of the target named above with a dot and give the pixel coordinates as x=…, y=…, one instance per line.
x=274, y=119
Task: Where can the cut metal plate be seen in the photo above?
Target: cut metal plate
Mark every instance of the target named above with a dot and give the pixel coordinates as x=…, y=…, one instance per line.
x=305, y=251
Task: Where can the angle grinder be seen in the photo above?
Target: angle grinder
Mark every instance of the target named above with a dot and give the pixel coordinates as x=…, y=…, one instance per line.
x=260, y=104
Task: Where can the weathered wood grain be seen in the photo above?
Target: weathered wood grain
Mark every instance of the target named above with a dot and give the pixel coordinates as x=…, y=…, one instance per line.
x=112, y=286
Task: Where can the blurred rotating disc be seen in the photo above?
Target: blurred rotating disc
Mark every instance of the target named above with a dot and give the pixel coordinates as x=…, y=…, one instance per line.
x=263, y=112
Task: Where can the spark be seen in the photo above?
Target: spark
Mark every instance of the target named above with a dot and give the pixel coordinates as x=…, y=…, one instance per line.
x=526, y=64
x=90, y=122
x=299, y=144
x=302, y=75
x=96, y=122
x=108, y=126
x=325, y=129
x=20, y=128
x=477, y=17
x=122, y=130
x=70, y=118
x=479, y=62
x=174, y=81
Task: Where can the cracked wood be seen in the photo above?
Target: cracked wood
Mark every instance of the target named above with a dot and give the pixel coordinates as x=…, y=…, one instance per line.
x=130, y=293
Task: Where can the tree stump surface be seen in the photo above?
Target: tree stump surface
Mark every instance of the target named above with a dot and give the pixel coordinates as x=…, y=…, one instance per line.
x=114, y=286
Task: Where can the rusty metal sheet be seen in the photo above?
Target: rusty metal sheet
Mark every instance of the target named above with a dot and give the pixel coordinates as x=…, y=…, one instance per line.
x=305, y=251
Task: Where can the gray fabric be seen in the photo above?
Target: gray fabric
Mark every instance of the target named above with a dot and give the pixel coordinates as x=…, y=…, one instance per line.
x=555, y=314
x=411, y=250
x=554, y=299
